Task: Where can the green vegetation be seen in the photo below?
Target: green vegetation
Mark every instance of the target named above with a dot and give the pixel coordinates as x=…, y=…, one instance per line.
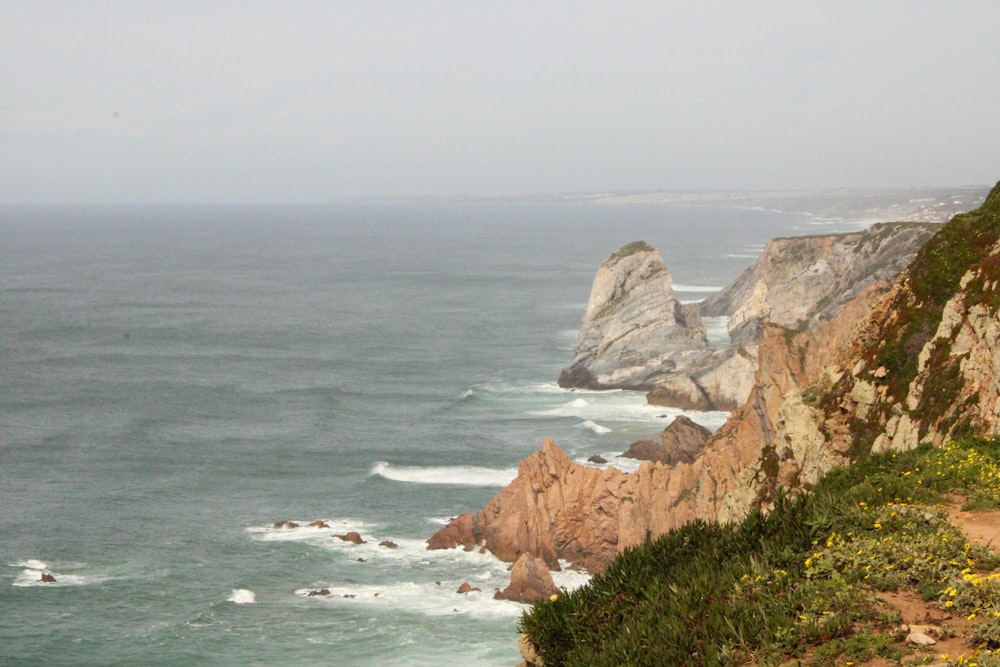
x=629, y=249
x=932, y=279
x=963, y=247
x=800, y=582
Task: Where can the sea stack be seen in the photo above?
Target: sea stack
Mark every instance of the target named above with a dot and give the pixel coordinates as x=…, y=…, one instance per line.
x=634, y=330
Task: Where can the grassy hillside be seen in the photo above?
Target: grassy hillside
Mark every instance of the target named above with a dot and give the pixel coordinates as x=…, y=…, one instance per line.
x=802, y=582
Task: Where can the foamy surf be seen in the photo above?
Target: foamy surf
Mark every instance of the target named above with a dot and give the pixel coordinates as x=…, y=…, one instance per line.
x=595, y=427
x=452, y=475
x=242, y=596
x=303, y=531
x=426, y=598
x=34, y=570
x=627, y=407
x=680, y=287
x=612, y=460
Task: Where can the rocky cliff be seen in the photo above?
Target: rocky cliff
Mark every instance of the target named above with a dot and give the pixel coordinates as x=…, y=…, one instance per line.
x=635, y=335
x=799, y=281
x=634, y=330
x=910, y=360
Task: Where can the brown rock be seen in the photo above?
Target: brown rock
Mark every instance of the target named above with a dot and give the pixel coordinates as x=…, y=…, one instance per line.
x=529, y=581
x=353, y=537
x=645, y=450
x=47, y=577
x=388, y=544
x=532, y=658
x=598, y=459
x=320, y=592
x=681, y=442
x=285, y=523
x=466, y=588
x=319, y=524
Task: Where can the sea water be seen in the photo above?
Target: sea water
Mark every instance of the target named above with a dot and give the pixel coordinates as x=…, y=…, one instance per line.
x=176, y=379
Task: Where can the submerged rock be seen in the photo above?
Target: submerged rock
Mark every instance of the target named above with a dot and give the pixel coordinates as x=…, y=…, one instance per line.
x=285, y=523
x=353, y=536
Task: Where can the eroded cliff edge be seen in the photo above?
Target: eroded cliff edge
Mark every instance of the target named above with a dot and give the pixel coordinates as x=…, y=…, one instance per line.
x=636, y=335
x=908, y=360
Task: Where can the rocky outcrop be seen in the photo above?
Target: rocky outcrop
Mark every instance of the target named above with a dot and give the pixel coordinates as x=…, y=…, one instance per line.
x=352, y=536
x=799, y=281
x=634, y=331
x=915, y=359
x=530, y=581
x=556, y=509
x=722, y=383
x=927, y=364
x=635, y=335
x=681, y=442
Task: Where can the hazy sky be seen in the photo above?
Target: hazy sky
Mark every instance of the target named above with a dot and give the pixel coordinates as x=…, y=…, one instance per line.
x=303, y=101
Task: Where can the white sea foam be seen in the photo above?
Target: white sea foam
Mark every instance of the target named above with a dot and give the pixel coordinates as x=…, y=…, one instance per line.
x=242, y=596
x=681, y=287
x=568, y=578
x=740, y=256
x=428, y=598
x=305, y=532
x=595, y=427
x=33, y=577
x=613, y=460
x=716, y=328
x=455, y=475
x=602, y=407
x=30, y=563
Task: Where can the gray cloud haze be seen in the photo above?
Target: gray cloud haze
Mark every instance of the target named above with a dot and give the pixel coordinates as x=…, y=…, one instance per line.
x=308, y=101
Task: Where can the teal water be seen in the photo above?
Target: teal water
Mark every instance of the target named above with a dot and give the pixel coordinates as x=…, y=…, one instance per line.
x=177, y=379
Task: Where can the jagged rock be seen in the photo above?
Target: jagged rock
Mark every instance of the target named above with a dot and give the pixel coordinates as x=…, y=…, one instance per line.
x=799, y=281
x=318, y=524
x=47, y=577
x=352, y=536
x=634, y=330
x=388, y=544
x=466, y=588
x=800, y=420
x=285, y=524
x=555, y=509
x=682, y=441
x=529, y=581
x=646, y=449
x=318, y=593
x=598, y=459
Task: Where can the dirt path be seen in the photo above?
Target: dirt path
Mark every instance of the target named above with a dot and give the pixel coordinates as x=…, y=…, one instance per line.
x=982, y=527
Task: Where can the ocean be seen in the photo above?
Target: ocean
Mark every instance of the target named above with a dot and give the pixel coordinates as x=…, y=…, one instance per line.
x=176, y=379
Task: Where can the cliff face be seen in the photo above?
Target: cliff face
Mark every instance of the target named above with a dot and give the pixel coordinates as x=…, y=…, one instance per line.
x=910, y=360
x=558, y=509
x=635, y=335
x=927, y=364
x=634, y=330
x=797, y=282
